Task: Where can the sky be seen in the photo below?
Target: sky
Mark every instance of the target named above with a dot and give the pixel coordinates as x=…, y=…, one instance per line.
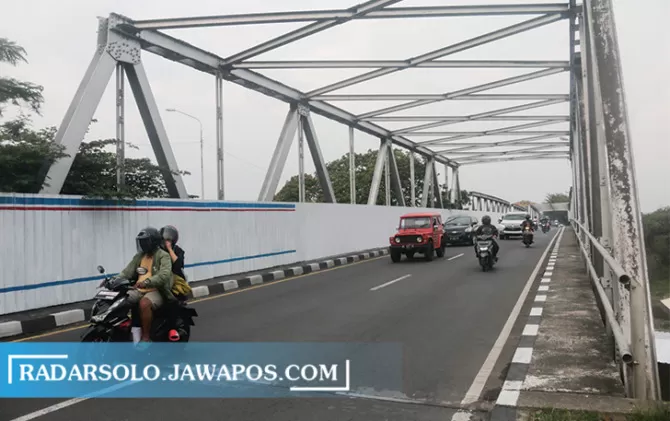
x=60, y=41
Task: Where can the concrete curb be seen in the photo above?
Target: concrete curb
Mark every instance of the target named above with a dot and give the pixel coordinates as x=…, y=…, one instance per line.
x=77, y=315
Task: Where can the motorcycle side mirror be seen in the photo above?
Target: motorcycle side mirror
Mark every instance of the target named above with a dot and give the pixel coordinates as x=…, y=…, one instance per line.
x=101, y=269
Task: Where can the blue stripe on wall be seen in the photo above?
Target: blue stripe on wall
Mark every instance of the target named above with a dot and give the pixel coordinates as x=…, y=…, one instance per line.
x=100, y=277
x=76, y=201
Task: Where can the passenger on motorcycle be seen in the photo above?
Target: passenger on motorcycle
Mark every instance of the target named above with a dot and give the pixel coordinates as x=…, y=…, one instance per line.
x=170, y=237
x=151, y=268
x=488, y=229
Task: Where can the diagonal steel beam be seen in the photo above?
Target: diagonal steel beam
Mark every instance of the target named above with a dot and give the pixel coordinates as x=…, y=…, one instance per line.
x=425, y=100
x=515, y=158
x=521, y=141
x=442, y=52
x=532, y=149
x=519, y=158
x=305, y=31
x=503, y=131
x=318, y=15
x=465, y=118
x=396, y=183
x=382, y=64
x=429, y=98
x=182, y=52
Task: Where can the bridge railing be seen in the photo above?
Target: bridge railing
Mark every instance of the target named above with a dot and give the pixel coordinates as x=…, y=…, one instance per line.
x=623, y=345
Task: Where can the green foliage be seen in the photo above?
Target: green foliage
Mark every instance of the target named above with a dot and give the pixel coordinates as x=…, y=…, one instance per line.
x=24, y=152
x=14, y=91
x=365, y=167
x=557, y=198
x=657, y=243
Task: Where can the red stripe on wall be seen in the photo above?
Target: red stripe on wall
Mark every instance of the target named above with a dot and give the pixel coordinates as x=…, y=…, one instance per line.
x=82, y=208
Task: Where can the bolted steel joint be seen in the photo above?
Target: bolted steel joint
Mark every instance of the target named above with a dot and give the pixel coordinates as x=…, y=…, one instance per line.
x=303, y=110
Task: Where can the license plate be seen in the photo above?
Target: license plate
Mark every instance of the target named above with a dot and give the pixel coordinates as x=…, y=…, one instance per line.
x=106, y=295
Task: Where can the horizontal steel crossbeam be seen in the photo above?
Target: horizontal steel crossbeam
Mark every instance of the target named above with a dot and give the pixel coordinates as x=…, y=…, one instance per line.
x=318, y=15
x=382, y=64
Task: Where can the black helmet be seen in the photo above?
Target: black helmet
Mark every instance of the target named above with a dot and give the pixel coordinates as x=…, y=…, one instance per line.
x=170, y=233
x=527, y=217
x=486, y=220
x=148, y=240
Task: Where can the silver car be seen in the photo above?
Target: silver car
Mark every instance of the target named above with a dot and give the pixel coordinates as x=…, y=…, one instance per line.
x=510, y=224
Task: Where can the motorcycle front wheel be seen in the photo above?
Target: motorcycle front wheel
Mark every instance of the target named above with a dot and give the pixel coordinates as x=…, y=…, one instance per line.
x=95, y=334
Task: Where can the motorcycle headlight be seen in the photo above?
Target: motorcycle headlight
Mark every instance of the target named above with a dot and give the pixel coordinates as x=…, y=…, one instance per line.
x=397, y=239
x=419, y=239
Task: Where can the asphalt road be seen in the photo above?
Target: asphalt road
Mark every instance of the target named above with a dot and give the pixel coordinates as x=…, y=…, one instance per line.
x=447, y=314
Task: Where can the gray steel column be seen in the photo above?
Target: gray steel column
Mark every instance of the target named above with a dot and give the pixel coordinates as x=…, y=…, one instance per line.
x=220, y=174
x=626, y=215
x=584, y=142
x=427, y=181
x=120, y=129
x=153, y=123
x=278, y=161
x=79, y=114
x=602, y=225
x=412, y=180
x=352, y=167
x=455, y=185
x=317, y=156
x=436, y=188
x=377, y=175
x=387, y=173
x=396, y=183
x=301, y=161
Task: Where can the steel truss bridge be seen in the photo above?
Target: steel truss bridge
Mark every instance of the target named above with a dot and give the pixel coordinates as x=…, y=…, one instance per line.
x=594, y=136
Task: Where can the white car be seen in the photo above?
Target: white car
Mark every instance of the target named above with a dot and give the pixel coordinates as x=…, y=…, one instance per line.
x=510, y=224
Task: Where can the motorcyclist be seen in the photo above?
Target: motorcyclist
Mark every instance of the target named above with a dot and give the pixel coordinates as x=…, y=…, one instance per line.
x=528, y=223
x=151, y=268
x=486, y=228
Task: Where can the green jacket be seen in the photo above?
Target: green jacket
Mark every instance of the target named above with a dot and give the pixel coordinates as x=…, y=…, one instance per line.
x=161, y=270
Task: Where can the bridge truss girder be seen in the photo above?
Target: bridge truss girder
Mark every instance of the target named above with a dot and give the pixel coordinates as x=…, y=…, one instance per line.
x=122, y=37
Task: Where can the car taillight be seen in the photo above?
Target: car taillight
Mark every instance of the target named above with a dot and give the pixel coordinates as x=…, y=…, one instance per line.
x=125, y=324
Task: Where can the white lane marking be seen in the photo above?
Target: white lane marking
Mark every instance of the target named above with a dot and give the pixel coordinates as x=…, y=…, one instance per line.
x=536, y=311
x=543, y=288
x=545, y=280
x=523, y=355
x=456, y=257
x=540, y=298
x=530, y=330
x=472, y=395
x=548, y=274
x=509, y=396
x=390, y=282
x=70, y=402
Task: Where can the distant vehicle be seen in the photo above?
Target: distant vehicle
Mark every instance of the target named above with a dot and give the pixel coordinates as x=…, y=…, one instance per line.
x=459, y=229
x=510, y=225
x=418, y=233
x=556, y=223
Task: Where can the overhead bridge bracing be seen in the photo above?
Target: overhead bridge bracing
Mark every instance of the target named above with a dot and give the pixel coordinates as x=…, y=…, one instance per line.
x=593, y=134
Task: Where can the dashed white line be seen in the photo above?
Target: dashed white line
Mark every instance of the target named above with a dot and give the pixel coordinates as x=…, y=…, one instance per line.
x=536, y=311
x=543, y=288
x=523, y=355
x=390, y=282
x=545, y=280
x=541, y=298
x=530, y=330
x=456, y=257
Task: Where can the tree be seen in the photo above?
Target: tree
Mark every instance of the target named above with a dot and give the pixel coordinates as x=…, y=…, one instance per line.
x=12, y=90
x=338, y=171
x=23, y=151
x=557, y=198
x=656, y=226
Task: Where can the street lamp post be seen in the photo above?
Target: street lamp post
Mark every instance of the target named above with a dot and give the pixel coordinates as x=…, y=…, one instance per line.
x=202, y=159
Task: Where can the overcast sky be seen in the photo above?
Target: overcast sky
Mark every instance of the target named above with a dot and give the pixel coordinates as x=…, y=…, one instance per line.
x=60, y=41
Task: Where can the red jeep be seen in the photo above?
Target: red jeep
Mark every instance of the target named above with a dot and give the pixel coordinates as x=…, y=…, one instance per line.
x=418, y=232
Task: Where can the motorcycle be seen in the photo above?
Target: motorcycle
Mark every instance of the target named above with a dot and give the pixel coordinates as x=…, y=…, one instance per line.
x=485, y=252
x=527, y=236
x=112, y=317
x=545, y=228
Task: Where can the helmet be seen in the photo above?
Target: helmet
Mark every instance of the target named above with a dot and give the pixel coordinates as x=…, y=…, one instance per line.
x=486, y=220
x=170, y=233
x=527, y=217
x=148, y=240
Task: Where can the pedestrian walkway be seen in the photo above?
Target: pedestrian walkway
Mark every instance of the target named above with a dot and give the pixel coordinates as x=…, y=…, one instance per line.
x=564, y=357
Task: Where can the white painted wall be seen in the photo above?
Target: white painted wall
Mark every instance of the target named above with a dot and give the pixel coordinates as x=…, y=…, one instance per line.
x=52, y=244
